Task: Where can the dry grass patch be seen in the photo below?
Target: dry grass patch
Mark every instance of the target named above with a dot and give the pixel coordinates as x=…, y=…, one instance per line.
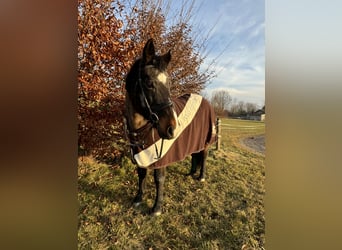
x=225, y=212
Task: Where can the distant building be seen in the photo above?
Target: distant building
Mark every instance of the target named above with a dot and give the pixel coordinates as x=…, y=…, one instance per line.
x=258, y=115
x=263, y=117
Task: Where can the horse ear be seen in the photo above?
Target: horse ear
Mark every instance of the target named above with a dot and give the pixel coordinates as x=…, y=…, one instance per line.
x=149, y=51
x=167, y=57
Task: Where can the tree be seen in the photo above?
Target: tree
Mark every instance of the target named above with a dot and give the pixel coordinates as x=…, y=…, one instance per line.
x=237, y=108
x=250, y=107
x=220, y=101
x=241, y=108
x=205, y=95
x=111, y=35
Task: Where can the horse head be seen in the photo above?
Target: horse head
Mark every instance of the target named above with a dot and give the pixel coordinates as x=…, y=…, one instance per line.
x=148, y=91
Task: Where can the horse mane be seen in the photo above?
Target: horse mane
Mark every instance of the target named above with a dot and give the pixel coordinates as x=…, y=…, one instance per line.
x=131, y=76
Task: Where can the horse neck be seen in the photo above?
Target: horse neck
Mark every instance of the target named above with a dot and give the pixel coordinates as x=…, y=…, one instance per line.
x=135, y=120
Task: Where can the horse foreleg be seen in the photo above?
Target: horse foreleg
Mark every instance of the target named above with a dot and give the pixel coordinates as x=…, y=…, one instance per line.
x=159, y=179
x=142, y=174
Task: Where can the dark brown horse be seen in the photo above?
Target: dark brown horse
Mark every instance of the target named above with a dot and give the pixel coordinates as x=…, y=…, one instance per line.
x=161, y=130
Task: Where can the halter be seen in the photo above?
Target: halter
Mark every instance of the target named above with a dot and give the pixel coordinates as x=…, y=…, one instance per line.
x=153, y=117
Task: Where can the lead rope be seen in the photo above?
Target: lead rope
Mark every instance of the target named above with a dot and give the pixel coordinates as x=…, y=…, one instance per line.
x=159, y=154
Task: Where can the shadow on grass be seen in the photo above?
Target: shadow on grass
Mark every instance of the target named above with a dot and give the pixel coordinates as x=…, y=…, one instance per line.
x=119, y=195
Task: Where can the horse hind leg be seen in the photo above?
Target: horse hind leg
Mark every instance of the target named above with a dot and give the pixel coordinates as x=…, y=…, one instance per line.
x=195, y=162
x=198, y=161
x=141, y=184
x=203, y=158
x=159, y=179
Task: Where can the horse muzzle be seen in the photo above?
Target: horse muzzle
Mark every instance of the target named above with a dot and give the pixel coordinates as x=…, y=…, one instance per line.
x=170, y=132
x=167, y=131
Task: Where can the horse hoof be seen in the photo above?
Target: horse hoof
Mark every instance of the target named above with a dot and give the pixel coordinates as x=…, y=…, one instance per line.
x=202, y=179
x=157, y=213
x=192, y=175
x=136, y=204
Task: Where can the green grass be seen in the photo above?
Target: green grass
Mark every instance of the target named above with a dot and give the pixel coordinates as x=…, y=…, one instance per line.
x=225, y=212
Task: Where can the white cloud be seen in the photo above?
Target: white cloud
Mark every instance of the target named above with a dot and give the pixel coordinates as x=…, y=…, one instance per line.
x=243, y=75
x=240, y=25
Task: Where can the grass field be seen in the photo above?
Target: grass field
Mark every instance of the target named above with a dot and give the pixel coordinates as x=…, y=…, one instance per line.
x=225, y=212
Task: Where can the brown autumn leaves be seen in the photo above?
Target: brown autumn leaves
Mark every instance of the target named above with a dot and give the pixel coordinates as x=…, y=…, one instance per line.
x=111, y=35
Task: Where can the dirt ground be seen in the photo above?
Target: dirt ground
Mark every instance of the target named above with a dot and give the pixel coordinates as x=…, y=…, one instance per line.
x=255, y=143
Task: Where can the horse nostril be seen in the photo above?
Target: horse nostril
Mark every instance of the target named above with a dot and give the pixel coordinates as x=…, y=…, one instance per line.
x=170, y=132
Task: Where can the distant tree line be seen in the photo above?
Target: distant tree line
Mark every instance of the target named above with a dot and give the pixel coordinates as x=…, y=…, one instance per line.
x=226, y=106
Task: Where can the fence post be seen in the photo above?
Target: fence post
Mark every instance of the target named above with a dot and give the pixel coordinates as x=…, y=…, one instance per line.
x=218, y=132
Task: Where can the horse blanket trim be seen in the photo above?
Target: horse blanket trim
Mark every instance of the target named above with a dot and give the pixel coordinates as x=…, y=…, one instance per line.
x=147, y=158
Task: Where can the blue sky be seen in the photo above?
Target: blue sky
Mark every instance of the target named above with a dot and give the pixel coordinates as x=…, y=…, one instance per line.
x=239, y=26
